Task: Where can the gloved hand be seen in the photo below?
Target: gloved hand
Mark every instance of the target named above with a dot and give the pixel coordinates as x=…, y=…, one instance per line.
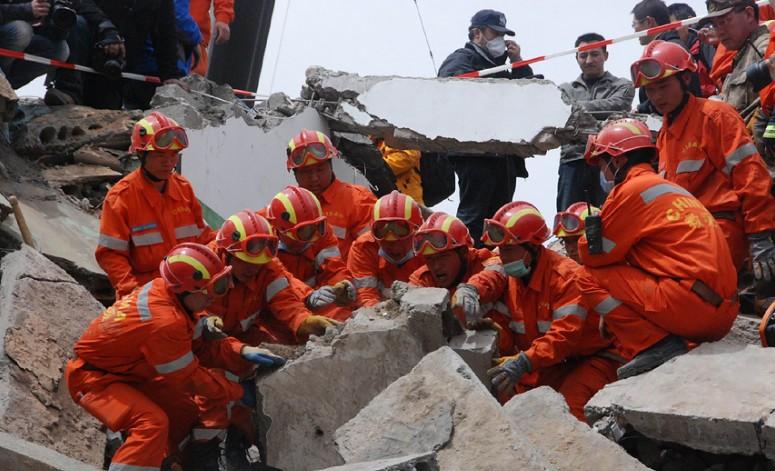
x=321, y=298
x=398, y=289
x=345, y=293
x=261, y=357
x=248, y=394
x=466, y=299
x=762, y=255
x=213, y=328
x=508, y=371
x=316, y=325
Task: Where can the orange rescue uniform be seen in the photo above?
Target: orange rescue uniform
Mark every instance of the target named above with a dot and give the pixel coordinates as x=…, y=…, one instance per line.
x=372, y=274
x=223, y=11
x=708, y=151
x=140, y=225
x=550, y=324
x=348, y=209
x=135, y=371
x=642, y=284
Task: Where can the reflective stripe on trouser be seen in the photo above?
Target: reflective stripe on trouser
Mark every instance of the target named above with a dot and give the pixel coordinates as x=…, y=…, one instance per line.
x=651, y=308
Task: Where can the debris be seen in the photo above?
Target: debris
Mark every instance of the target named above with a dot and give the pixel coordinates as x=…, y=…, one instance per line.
x=98, y=156
x=24, y=229
x=361, y=153
x=542, y=416
x=712, y=399
x=17, y=454
x=477, y=348
x=44, y=311
x=418, y=462
x=439, y=406
x=302, y=405
x=79, y=174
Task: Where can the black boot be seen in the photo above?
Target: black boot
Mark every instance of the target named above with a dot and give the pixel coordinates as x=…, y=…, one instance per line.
x=202, y=456
x=667, y=348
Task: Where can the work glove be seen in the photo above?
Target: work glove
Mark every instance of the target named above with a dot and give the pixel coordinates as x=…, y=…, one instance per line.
x=316, y=325
x=466, y=299
x=248, y=394
x=261, y=357
x=321, y=298
x=345, y=293
x=763, y=256
x=398, y=289
x=213, y=328
x=508, y=371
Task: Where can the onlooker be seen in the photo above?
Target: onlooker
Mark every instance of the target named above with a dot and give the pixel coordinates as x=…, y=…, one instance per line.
x=18, y=34
x=649, y=14
x=187, y=49
x=702, y=52
x=223, y=10
x=737, y=24
x=487, y=182
x=599, y=92
x=115, y=48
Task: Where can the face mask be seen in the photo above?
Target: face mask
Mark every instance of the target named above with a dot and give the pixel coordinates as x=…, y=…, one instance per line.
x=517, y=269
x=496, y=47
x=403, y=260
x=605, y=184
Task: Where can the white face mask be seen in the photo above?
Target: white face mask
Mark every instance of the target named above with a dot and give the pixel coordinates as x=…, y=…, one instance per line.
x=606, y=184
x=496, y=47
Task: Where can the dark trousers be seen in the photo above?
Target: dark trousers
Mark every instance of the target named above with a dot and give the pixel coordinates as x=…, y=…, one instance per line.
x=486, y=184
x=577, y=180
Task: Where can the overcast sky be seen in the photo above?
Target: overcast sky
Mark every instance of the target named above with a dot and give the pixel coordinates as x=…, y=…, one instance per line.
x=383, y=37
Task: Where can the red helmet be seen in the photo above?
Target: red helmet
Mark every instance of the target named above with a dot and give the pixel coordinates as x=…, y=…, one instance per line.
x=570, y=222
x=158, y=132
x=309, y=148
x=617, y=138
x=296, y=213
x=518, y=222
x=249, y=237
x=661, y=59
x=396, y=216
x=191, y=267
x=440, y=233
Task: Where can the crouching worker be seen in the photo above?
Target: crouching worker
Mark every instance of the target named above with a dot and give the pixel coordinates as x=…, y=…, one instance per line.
x=569, y=227
x=657, y=269
x=555, y=337
x=134, y=369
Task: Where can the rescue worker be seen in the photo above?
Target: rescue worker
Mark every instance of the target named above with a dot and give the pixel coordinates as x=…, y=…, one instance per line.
x=223, y=13
x=310, y=252
x=134, y=369
x=150, y=210
x=569, y=227
x=264, y=304
x=405, y=165
x=705, y=148
x=385, y=253
x=663, y=278
x=555, y=336
x=346, y=206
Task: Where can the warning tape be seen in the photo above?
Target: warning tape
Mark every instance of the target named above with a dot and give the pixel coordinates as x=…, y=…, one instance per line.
x=647, y=32
x=83, y=68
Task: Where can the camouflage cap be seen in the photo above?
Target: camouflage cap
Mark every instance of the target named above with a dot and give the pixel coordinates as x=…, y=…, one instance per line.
x=722, y=7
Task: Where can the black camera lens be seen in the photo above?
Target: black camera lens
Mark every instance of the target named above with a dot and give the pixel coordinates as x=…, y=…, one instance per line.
x=758, y=75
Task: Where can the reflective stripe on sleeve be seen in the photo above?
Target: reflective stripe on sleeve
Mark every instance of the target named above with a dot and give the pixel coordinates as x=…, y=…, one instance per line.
x=570, y=310
x=497, y=267
x=245, y=323
x=607, y=305
x=175, y=365
x=131, y=467
x=662, y=189
x=544, y=326
x=113, y=243
x=746, y=150
x=199, y=327
x=328, y=252
x=207, y=434
x=150, y=238
x=366, y=282
x=339, y=232
x=689, y=166
x=517, y=327
x=275, y=287
x=143, y=308
x=192, y=230
x=608, y=245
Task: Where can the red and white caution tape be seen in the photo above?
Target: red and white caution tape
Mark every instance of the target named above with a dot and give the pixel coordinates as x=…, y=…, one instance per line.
x=83, y=68
x=647, y=32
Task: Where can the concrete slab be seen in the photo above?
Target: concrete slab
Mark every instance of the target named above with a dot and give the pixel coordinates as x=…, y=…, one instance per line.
x=477, y=348
x=418, y=462
x=439, y=406
x=713, y=399
x=17, y=454
x=79, y=174
x=542, y=416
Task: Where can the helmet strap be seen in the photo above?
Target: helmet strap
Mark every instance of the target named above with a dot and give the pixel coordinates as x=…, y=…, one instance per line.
x=181, y=297
x=685, y=88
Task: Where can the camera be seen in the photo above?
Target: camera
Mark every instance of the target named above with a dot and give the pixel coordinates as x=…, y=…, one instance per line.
x=111, y=66
x=60, y=20
x=758, y=74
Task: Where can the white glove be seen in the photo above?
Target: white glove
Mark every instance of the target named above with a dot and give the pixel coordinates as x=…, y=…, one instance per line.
x=321, y=297
x=213, y=328
x=466, y=299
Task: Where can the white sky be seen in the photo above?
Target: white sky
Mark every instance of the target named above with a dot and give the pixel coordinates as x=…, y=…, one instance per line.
x=383, y=37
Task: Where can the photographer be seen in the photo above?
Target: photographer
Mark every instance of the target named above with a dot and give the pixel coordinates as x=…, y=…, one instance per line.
x=28, y=27
x=112, y=36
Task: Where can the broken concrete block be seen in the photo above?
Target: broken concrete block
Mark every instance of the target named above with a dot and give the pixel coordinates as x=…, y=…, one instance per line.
x=745, y=330
x=98, y=156
x=377, y=106
x=302, y=404
x=713, y=399
x=542, y=416
x=425, y=308
x=358, y=151
x=477, y=348
x=79, y=174
x=43, y=311
x=17, y=454
x=418, y=462
x=439, y=406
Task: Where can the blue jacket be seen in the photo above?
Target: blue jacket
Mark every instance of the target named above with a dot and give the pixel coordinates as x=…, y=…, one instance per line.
x=189, y=37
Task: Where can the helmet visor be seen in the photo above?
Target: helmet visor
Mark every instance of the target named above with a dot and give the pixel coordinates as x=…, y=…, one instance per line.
x=435, y=240
x=314, y=150
x=494, y=232
x=309, y=231
x=382, y=229
x=170, y=139
x=257, y=244
x=221, y=284
x=568, y=222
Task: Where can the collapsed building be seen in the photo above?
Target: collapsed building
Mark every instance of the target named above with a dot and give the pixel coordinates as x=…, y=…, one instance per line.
x=400, y=387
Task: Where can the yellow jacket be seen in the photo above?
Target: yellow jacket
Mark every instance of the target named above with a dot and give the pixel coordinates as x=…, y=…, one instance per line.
x=405, y=165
